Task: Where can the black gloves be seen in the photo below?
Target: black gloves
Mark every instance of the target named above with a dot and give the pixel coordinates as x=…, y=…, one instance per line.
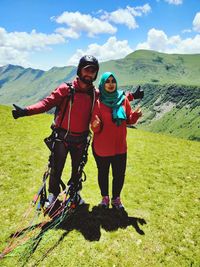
x=19, y=112
x=139, y=93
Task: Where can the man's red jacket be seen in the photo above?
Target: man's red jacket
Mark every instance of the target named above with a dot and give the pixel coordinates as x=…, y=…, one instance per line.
x=77, y=117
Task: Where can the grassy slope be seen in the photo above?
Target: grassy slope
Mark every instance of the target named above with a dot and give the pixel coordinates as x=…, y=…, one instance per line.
x=162, y=187
x=145, y=66
x=182, y=122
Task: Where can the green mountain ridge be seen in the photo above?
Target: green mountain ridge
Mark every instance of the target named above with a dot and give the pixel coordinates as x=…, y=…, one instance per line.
x=171, y=83
x=144, y=66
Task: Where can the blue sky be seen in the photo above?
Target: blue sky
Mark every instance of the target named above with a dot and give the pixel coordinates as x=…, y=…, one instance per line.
x=47, y=33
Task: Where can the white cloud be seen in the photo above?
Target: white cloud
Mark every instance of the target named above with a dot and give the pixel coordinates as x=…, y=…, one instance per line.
x=140, y=10
x=69, y=33
x=189, y=45
x=15, y=47
x=126, y=16
x=159, y=41
x=9, y=55
x=196, y=22
x=122, y=16
x=186, y=31
x=112, y=49
x=174, y=2
x=78, y=23
x=28, y=41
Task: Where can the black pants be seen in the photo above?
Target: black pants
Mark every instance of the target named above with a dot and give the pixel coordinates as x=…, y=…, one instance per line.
x=59, y=156
x=118, y=164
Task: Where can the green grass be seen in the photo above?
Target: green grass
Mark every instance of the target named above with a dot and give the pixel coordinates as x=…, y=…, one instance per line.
x=182, y=122
x=162, y=187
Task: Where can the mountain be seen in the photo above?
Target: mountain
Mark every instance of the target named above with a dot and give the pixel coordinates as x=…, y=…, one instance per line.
x=25, y=86
x=171, y=109
x=146, y=66
x=171, y=83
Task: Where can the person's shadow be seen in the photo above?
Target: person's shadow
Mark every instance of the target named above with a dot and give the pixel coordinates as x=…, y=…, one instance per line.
x=89, y=223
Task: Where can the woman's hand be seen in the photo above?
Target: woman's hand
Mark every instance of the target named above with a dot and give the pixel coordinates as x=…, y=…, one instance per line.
x=96, y=123
x=139, y=112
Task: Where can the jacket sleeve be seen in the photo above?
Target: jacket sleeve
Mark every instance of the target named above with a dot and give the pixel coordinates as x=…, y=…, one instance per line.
x=132, y=116
x=129, y=96
x=54, y=99
x=96, y=112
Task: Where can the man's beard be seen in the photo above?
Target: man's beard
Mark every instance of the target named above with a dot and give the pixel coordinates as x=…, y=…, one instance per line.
x=85, y=80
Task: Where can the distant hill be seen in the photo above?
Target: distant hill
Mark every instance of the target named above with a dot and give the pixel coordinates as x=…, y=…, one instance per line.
x=171, y=83
x=25, y=86
x=144, y=66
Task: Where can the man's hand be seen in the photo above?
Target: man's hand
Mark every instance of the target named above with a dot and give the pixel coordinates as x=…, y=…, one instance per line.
x=139, y=93
x=18, y=112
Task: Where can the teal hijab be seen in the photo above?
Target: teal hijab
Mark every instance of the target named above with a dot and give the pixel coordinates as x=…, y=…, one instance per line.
x=113, y=100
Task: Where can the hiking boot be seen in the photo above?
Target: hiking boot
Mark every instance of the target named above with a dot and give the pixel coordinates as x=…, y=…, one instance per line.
x=77, y=200
x=105, y=202
x=50, y=200
x=117, y=204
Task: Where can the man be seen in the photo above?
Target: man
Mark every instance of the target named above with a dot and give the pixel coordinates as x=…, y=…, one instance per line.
x=74, y=106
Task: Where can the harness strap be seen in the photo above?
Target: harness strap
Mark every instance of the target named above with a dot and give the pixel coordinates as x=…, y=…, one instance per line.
x=69, y=97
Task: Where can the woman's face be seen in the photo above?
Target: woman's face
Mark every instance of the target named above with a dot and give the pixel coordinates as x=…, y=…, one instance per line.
x=110, y=84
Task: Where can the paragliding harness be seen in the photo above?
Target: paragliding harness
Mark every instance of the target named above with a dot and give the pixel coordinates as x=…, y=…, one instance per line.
x=50, y=142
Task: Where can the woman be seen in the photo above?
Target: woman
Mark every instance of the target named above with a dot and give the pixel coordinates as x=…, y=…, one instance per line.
x=111, y=114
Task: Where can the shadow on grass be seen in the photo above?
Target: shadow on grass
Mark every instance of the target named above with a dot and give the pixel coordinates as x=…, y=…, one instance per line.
x=88, y=223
